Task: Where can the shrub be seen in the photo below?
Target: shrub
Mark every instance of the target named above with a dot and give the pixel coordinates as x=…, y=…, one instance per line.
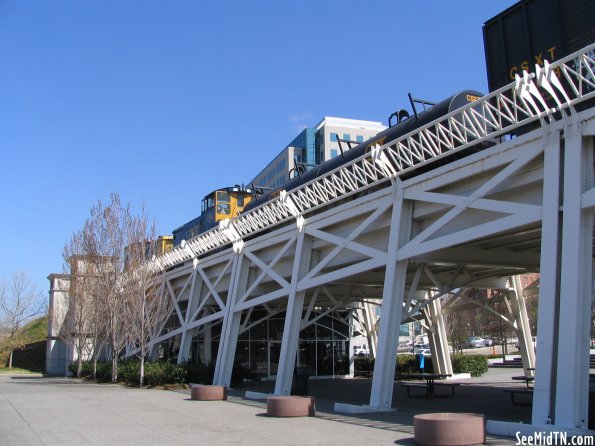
x=129, y=371
x=405, y=364
x=409, y=364
x=364, y=366
x=476, y=365
x=158, y=373
x=104, y=370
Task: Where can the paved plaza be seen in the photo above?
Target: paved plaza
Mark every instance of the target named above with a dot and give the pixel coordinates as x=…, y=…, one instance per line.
x=37, y=410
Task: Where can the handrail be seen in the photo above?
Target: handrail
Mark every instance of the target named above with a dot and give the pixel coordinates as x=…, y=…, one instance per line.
x=533, y=97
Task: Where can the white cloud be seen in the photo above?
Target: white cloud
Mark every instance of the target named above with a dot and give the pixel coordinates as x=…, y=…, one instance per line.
x=300, y=121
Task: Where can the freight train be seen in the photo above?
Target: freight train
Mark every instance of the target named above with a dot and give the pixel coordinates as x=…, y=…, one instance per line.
x=406, y=125
x=227, y=202
x=231, y=201
x=526, y=33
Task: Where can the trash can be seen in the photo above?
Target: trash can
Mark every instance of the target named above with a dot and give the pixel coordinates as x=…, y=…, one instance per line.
x=420, y=361
x=301, y=375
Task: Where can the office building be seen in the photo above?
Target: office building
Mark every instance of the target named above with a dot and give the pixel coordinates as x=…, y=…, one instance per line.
x=314, y=146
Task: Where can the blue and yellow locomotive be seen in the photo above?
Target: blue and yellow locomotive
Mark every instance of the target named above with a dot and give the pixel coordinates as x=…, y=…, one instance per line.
x=220, y=204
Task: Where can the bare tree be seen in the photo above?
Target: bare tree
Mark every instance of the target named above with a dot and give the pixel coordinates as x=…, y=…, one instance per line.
x=19, y=303
x=146, y=306
x=110, y=230
x=115, y=299
x=106, y=240
x=82, y=325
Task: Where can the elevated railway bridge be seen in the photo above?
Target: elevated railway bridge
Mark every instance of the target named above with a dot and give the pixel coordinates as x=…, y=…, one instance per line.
x=457, y=204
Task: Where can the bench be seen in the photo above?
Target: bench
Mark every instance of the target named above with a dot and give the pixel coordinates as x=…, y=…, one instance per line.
x=514, y=392
x=424, y=386
x=528, y=379
x=451, y=385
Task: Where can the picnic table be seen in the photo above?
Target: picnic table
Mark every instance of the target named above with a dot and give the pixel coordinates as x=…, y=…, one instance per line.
x=527, y=379
x=430, y=379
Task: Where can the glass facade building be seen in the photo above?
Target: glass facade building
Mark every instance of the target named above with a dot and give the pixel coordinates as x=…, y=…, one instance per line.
x=323, y=345
x=313, y=146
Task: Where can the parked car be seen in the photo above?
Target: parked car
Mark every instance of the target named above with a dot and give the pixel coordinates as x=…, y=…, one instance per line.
x=405, y=348
x=424, y=351
x=496, y=340
x=474, y=342
x=421, y=348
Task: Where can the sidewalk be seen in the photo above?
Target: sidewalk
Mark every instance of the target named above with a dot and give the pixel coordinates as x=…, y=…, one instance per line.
x=62, y=411
x=483, y=395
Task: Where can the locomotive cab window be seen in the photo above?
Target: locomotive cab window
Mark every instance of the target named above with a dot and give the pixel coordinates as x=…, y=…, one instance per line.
x=208, y=202
x=223, y=203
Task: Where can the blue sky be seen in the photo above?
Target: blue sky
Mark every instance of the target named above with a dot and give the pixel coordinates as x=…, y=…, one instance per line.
x=164, y=101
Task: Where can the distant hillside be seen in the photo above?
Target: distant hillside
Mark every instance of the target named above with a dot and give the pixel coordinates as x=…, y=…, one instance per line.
x=32, y=357
x=36, y=330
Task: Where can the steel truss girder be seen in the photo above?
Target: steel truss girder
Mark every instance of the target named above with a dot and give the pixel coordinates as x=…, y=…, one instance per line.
x=343, y=232
x=500, y=112
x=371, y=211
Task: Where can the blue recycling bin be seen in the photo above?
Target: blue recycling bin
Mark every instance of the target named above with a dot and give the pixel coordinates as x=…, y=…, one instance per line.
x=420, y=360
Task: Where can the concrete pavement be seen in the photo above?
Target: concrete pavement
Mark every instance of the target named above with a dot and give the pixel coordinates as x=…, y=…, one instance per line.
x=59, y=411
x=48, y=411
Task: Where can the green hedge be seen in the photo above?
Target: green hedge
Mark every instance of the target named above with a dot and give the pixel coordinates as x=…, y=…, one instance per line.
x=104, y=370
x=364, y=366
x=476, y=365
x=408, y=364
x=156, y=373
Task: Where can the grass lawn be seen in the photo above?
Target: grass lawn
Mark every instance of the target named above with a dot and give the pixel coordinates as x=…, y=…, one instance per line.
x=31, y=358
x=16, y=371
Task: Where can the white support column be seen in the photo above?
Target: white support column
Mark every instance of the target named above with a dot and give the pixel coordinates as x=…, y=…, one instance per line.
x=367, y=322
x=521, y=317
x=381, y=394
x=350, y=345
x=207, y=344
x=193, y=300
x=544, y=389
x=572, y=385
x=371, y=334
x=293, y=317
x=231, y=322
x=440, y=354
x=154, y=353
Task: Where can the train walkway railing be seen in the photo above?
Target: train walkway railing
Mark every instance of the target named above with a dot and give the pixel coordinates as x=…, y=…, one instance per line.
x=541, y=97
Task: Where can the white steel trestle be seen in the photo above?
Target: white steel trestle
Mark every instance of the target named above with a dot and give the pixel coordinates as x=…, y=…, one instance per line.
x=468, y=223
x=500, y=112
